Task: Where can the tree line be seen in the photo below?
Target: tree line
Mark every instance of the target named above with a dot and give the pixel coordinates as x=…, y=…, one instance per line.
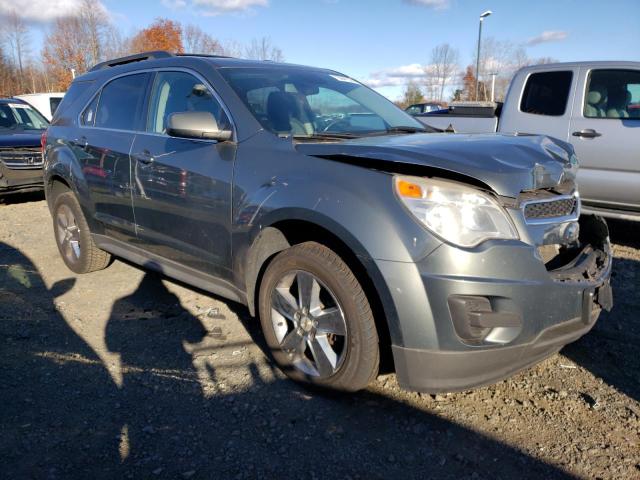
x=74, y=44
x=445, y=81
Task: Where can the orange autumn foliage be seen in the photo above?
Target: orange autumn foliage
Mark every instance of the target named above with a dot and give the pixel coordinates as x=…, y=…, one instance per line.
x=162, y=34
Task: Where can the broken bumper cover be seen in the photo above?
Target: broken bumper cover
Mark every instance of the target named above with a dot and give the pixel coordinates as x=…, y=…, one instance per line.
x=519, y=312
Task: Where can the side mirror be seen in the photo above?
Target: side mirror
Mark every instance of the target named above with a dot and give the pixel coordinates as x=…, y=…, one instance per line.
x=201, y=125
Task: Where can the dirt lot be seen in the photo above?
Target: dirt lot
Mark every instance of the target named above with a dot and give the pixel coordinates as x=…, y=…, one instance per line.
x=123, y=374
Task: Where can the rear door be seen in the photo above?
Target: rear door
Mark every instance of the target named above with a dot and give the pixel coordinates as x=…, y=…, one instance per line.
x=182, y=187
x=540, y=103
x=605, y=131
x=108, y=125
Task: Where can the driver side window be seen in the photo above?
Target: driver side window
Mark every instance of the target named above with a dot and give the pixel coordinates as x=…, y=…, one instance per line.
x=176, y=92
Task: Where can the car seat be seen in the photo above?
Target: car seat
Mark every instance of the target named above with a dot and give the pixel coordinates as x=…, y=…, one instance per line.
x=285, y=114
x=618, y=101
x=596, y=97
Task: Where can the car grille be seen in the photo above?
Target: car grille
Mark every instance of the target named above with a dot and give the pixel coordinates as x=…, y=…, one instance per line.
x=21, y=158
x=544, y=207
x=562, y=207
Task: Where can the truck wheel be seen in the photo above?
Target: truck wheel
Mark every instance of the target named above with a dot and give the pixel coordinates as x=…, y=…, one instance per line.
x=317, y=320
x=73, y=237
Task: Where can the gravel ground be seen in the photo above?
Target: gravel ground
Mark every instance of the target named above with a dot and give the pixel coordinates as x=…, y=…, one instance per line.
x=124, y=374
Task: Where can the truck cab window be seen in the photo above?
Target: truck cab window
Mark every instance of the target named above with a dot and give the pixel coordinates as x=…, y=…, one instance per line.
x=613, y=94
x=547, y=93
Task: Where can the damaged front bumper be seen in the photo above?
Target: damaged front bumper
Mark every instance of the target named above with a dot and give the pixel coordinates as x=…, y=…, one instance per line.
x=502, y=310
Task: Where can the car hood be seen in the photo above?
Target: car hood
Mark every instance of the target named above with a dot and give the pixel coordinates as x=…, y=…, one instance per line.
x=20, y=138
x=508, y=164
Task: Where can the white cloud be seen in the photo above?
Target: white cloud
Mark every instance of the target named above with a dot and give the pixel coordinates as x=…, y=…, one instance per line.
x=548, y=36
x=174, y=4
x=399, y=76
x=215, y=7
x=41, y=10
x=435, y=4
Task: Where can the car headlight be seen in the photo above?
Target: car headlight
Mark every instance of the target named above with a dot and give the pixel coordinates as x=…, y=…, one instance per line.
x=458, y=214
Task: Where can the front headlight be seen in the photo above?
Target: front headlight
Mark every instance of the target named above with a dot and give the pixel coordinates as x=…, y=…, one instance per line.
x=459, y=214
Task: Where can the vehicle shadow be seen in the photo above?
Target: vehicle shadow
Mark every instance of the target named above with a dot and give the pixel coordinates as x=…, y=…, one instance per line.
x=22, y=197
x=196, y=403
x=610, y=350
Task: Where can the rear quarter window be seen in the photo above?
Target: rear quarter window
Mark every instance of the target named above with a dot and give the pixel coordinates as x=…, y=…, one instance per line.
x=77, y=91
x=547, y=93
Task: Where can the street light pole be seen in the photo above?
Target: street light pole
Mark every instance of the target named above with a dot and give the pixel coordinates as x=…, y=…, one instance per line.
x=493, y=86
x=482, y=17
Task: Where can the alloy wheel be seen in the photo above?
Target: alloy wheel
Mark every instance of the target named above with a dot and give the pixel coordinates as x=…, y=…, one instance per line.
x=68, y=233
x=309, y=324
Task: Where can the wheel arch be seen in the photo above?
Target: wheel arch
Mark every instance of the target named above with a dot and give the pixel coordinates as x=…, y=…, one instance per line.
x=283, y=234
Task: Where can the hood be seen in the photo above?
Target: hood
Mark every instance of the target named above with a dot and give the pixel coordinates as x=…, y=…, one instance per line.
x=20, y=138
x=508, y=164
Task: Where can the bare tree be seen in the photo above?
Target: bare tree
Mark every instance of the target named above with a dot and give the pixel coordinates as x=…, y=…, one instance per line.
x=264, y=49
x=196, y=40
x=444, y=64
x=502, y=58
x=94, y=23
x=16, y=37
x=232, y=48
x=64, y=50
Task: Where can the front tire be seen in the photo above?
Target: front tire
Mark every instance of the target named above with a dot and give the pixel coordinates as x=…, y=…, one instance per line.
x=317, y=320
x=77, y=249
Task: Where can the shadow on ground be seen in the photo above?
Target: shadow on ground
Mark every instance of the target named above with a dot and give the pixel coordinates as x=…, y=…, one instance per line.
x=23, y=197
x=610, y=350
x=64, y=416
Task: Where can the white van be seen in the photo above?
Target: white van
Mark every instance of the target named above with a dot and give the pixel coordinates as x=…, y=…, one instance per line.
x=45, y=103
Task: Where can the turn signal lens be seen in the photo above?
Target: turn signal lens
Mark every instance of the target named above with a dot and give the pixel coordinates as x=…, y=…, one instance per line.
x=458, y=213
x=408, y=189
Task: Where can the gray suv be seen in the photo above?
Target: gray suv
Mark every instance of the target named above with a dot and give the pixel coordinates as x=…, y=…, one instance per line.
x=331, y=215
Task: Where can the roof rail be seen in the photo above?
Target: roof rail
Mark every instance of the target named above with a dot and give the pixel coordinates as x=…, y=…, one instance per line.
x=206, y=55
x=138, y=57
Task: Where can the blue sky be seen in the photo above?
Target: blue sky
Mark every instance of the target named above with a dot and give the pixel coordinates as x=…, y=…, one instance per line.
x=362, y=37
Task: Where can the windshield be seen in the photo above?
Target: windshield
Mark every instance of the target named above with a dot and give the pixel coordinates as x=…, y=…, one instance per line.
x=306, y=103
x=19, y=116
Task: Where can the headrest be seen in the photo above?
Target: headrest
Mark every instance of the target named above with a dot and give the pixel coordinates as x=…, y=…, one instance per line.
x=597, y=94
x=594, y=97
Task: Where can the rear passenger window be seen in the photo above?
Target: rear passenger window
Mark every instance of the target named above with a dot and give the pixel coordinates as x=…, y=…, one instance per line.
x=177, y=92
x=547, y=93
x=613, y=94
x=122, y=102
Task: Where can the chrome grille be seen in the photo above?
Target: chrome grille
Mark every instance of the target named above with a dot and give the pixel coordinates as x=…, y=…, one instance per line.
x=550, y=209
x=21, y=158
x=543, y=206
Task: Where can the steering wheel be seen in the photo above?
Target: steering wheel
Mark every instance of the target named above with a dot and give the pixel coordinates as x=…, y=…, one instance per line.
x=340, y=122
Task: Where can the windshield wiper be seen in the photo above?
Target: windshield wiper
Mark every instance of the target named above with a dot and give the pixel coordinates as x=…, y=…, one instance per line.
x=325, y=136
x=406, y=129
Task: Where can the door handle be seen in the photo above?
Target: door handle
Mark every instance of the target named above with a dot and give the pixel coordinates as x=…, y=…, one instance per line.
x=145, y=157
x=81, y=142
x=587, y=133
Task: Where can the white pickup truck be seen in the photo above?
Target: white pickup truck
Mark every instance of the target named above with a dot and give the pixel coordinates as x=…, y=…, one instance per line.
x=593, y=105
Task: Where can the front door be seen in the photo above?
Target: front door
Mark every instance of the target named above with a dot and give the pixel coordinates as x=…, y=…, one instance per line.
x=182, y=187
x=105, y=137
x=605, y=132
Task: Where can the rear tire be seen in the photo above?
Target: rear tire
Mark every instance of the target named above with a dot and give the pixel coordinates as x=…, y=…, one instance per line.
x=328, y=337
x=77, y=249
